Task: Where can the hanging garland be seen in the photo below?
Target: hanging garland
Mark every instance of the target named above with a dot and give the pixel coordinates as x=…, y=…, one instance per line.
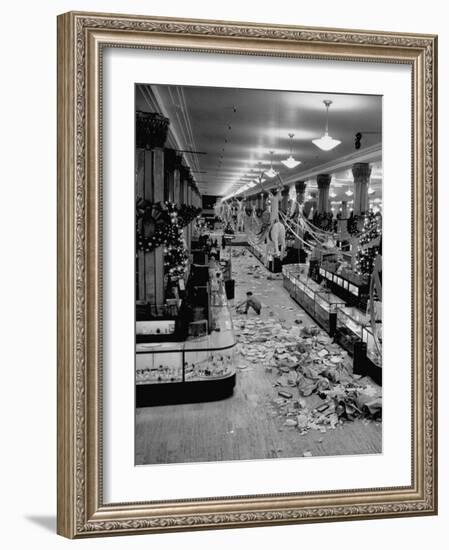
x=163, y=215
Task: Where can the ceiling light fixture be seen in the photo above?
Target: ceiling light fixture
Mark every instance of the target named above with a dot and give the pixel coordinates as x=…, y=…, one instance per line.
x=332, y=195
x=326, y=143
x=371, y=191
x=290, y=162
x=271, y=173
x=349, y=193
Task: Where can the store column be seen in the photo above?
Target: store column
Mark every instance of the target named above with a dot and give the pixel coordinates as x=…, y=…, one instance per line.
x=189, y=203
x=361, y=172
x=300, y=188
x=342, y=224
x=183, y=173
x=323, y=182
x=151, y=134
x=264, y=201
x=177, y=187
x=284, y=201
x=169, y=171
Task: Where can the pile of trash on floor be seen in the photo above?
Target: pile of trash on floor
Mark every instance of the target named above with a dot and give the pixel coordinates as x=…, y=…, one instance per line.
x=313, y=380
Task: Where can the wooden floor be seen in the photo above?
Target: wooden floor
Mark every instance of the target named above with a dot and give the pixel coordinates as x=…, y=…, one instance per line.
x=247, y=425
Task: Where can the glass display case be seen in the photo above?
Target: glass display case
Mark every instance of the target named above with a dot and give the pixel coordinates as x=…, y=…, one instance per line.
x=349, y=286
x=200, y=368
x=372, y=351
x=350, y=323
x=326, y=305
x=308, y=298
x=291, y=273
x=159, y=363
x=208, y=364
x=373, y=361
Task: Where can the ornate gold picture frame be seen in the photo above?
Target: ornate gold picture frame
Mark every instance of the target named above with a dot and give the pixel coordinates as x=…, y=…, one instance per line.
x=82, y=38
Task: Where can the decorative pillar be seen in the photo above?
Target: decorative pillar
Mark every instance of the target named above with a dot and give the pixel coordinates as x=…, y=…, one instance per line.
x=342, y=225
x=284, y=201
x=189, y=203
x=300, y=187
x=361, y=172
x=264, y=201
x=184, y=187
x=151, y=134
x=169, y=180
x=177, y=194
x=323, y=181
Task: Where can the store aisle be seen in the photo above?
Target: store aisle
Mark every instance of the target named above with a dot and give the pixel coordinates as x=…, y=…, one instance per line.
x=267, y=417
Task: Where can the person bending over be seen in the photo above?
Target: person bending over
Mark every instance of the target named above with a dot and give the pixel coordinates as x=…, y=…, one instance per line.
x=250, y=301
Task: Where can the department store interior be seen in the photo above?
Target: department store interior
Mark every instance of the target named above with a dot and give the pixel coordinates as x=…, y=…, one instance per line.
x=258, y=274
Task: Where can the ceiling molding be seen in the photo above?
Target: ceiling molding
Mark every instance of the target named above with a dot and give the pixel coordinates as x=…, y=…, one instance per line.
x=155, y=103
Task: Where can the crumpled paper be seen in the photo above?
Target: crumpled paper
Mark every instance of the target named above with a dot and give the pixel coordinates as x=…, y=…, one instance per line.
x=305, y=358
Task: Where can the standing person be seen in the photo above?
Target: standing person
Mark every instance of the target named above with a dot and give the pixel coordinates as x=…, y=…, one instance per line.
x=250, y=301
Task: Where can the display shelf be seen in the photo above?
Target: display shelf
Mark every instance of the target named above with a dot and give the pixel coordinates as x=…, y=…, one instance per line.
x=352, y=288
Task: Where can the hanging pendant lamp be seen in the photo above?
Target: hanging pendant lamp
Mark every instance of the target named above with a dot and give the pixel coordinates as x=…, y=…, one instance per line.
x=326, y=143
x=290, y=162
x=271, y=173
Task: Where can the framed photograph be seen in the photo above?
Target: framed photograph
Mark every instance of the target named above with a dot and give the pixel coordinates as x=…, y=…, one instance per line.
x=201, y=164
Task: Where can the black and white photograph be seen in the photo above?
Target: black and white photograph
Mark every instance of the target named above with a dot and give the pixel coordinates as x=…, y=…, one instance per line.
x=258, y=274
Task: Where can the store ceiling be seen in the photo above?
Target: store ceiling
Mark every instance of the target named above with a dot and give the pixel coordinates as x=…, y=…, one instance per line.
x=236, y=129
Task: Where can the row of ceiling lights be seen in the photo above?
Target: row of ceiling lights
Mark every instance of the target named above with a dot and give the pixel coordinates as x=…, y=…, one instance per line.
x=325, y=143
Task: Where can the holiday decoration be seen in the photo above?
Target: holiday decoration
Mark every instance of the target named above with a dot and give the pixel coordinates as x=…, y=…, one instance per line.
x=323, y=221
x=356, y=223
x=165, y=222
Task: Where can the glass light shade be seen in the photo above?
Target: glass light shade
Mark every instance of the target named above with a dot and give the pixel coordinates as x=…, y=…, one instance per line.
x=290, y=162
x=326, y=143
x=271, y=173
x=252, y=184
x=371, y=190
x=332, y=194
x=349, y=193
